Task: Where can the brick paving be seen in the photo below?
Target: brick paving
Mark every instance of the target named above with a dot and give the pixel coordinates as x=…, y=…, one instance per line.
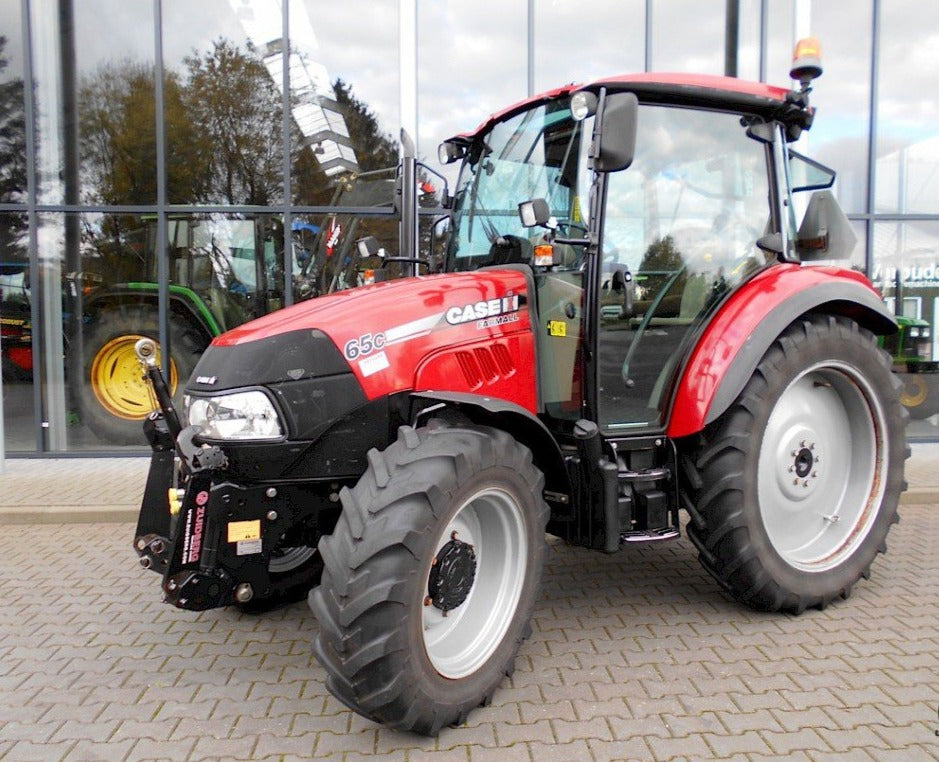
x=633, y=656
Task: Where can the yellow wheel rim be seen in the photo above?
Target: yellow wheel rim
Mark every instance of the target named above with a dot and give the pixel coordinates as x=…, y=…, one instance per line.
x=914, y=392
x=118, y=382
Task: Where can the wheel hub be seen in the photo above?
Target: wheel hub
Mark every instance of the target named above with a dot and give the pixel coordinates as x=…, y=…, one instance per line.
x=452, y=574
x=799, y=470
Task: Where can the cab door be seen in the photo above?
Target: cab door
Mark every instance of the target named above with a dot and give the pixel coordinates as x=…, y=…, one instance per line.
x=683, y=219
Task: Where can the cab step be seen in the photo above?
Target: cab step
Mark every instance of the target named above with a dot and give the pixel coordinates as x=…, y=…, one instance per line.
x=650, y=535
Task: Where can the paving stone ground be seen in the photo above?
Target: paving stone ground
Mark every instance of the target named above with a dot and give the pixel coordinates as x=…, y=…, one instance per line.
x=633, y=656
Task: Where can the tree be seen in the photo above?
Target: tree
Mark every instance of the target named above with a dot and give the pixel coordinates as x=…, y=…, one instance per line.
x=374, y=149
x=12, y=162
x=118, y=137
x=234, y=104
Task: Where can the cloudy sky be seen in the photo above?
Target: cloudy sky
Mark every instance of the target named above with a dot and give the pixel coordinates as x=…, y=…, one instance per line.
x=472, y=56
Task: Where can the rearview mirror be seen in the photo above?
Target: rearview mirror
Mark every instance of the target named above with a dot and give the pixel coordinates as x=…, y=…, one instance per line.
x=614, y=133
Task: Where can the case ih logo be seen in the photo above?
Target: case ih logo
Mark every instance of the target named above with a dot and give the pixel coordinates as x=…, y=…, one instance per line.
x=503, y=308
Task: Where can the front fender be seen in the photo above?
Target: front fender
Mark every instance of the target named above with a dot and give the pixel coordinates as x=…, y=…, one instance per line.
x=740, y=333
x=503, y=414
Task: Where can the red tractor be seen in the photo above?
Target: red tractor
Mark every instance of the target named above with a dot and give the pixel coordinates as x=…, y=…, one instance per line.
x=624, y=327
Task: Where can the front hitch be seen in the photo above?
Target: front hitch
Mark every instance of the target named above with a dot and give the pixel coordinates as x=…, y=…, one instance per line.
x=146, y=351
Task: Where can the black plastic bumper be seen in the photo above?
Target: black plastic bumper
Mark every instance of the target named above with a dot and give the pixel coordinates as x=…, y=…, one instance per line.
x=209, y=537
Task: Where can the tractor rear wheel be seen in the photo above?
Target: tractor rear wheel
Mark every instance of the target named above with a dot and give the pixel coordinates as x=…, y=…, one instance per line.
x=431, y=576
x=920, y=394
x=792, y=491
x=114, y=395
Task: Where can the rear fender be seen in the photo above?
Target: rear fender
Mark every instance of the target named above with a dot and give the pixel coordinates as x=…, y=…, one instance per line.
x=185, y=303
x=740, y=333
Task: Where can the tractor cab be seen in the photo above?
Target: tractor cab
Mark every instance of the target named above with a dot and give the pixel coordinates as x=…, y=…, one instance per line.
x=638, y=207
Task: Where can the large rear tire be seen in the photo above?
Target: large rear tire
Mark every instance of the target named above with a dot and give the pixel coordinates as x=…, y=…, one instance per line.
x=114, y=395
x=793, y=490
x=431, y=576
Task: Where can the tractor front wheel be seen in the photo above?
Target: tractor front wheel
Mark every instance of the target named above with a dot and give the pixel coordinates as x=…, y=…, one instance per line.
x=793, y=490
x=431, y=576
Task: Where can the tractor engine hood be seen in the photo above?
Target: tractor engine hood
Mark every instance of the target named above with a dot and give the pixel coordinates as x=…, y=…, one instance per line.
x=465, y=332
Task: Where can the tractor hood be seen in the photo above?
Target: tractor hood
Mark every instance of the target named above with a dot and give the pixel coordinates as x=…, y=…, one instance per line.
x=466, y=332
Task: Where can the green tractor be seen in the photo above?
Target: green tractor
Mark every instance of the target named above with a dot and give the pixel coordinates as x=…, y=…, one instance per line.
x=911, y=350
x=222, y=272
x=221, y=275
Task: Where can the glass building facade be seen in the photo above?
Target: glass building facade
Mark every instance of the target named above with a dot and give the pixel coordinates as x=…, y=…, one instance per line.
x=175, y=169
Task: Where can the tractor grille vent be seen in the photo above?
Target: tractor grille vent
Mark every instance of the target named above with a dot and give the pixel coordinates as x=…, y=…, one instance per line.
x=486, y=365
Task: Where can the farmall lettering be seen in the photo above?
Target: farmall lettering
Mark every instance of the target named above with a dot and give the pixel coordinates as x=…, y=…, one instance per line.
x=489, y=313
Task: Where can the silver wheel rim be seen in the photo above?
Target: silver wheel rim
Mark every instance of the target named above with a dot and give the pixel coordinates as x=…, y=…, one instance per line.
x=462, y=641
x=822, y=467
x=285, y=560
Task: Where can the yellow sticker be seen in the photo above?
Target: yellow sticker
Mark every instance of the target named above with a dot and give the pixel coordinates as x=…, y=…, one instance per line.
x=244, y=530
x=557, y=328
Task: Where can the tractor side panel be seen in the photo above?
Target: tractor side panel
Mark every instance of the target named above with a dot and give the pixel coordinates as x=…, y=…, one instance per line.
x=749, y=322
x=461, y=332
x=501, y=368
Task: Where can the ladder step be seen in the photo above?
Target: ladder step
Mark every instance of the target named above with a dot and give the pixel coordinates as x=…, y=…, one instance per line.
x=650, y=535
x=649, y=475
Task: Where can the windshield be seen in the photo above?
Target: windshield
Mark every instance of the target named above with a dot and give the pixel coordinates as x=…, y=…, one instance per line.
x=540, y=153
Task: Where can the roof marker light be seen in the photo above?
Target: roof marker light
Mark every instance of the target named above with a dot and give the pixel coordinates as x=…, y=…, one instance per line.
x=807, y=61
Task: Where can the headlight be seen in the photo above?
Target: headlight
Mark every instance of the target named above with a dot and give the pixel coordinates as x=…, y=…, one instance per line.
x=914, y=332
x=243, y=415
x=924, y=333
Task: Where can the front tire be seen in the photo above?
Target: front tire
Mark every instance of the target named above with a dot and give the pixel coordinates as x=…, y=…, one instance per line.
x=793, y=490
x=431, y=576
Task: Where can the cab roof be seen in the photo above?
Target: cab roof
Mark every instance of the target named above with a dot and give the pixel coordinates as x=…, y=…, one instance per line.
x=692, y=90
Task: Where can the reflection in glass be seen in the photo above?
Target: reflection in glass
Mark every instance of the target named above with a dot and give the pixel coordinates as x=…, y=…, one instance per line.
x=12, y=124
x=684, y=219
x=570, y=48
x=908, y=110
x=224, y=126
x=118, y=134
x=19, y=420
x=482, y=50
x=108, y=303
x=906, y=270
x=343, y=98
x=93, y=67
x=688, y=35
x=224, y=270
x=839, y=136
